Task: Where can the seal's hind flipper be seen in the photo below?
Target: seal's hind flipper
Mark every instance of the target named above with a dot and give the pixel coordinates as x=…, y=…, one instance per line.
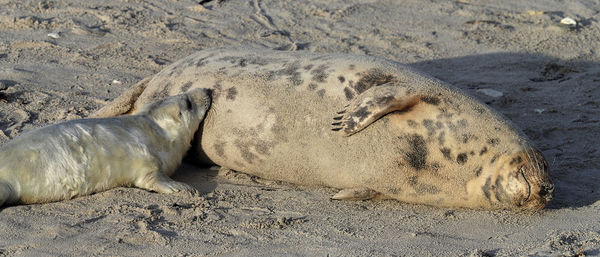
x=371, y=105
x=124, y=103
x=355, y=194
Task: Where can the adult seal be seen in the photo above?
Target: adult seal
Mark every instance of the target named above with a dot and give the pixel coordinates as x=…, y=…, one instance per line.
x=369, y=126
x=80, y=157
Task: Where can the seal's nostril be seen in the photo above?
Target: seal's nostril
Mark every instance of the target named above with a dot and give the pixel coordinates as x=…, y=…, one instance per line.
x=547, y=192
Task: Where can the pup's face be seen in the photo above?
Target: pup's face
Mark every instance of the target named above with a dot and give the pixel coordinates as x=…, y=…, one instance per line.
x=180, y=112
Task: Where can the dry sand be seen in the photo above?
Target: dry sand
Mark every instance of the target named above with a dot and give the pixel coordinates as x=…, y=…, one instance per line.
x=64, y=59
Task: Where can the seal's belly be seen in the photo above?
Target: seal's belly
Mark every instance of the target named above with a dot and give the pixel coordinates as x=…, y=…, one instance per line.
x=276, y=135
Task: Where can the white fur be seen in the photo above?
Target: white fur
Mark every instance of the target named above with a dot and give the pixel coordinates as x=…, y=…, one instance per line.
x=84, y=156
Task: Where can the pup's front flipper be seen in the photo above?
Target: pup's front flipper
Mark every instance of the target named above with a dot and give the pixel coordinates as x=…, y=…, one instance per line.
x=376, y=102
x=361, y=193
x=160, y=183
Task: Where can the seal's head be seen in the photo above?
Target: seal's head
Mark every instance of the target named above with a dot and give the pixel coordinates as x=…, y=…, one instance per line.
x=179, y=115
x=521, y=181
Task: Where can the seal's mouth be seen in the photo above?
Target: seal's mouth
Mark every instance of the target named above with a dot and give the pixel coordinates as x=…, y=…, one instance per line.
x=522, y=174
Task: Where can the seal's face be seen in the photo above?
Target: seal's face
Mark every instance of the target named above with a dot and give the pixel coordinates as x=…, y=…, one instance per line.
x=527, y=185
x=179, y=115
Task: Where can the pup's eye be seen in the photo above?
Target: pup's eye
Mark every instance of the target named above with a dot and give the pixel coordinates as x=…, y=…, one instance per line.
x=188, y=103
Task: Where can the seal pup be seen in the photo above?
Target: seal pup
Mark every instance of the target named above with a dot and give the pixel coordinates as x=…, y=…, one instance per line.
x=80, y=157
x=369, y=126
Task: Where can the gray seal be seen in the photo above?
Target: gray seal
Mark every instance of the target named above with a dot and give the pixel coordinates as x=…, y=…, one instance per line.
x=366, y=125
x=85, y=156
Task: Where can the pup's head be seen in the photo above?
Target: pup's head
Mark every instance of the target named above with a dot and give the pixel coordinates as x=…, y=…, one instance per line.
x=180, y=113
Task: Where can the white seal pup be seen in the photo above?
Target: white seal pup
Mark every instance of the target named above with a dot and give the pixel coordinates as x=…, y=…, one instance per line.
x=370, y=126
x=80, y=157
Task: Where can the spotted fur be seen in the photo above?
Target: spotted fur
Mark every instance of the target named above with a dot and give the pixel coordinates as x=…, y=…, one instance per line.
x=349, y=121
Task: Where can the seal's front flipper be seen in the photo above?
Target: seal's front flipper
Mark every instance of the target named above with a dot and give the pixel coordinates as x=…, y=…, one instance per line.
x=165, y=185
x=374, y=103
x=355, y=194
x=6, y=193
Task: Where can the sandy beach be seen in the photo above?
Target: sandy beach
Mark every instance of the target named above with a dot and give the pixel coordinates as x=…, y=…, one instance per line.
x=62, y=60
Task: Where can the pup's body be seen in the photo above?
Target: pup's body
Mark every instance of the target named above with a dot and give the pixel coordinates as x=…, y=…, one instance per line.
x=80, y=157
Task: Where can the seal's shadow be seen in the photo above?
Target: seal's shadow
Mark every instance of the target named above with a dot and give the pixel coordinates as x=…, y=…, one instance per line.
x=555, y=102
x=200, y=177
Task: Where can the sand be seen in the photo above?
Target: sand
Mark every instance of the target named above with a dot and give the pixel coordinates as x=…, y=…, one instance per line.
x=62, y=60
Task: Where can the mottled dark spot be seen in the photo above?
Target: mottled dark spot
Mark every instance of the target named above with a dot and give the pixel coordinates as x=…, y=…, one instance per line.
x=385, y=100
x=466, y=138
x=362, y=113
x=185, y=87
x=393, y=191
x=216, y=93
x=486, y=188
x=231, y=93
x=371, y=78
x=483, y=150
x=422, y=189
x=244, y=149
x=242, y=62
x=429, y=126
x=319, y=73
x=308, y=67
x=220, y=149
x=516, y=160
x=439, y=124
x=461, y=158
x=341, y=79
x=479, y=110
x=312, y=86
x=411, y=123
x=321, y=93
x=348, y=93
x=494, y=141
x=296, y=79
x=499, y=189
x=446, y=152
x=435, y=166
x=350, y=125
x=494, y=159
x=478, y=171
x=472, y=153
x=351, y=67
x=412, y=180
x=262, y=147
x=451, y=125
x=164, y=92
x=442, y=138
x=417, y=156
x=433, y=100
x=290, y=70
x=239, y=164
x=463, y=123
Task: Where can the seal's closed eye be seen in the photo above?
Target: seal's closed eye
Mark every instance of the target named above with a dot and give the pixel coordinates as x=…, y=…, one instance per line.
x=188, y=103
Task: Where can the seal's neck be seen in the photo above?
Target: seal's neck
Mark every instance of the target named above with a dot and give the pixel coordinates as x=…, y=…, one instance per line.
x=177, y=141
